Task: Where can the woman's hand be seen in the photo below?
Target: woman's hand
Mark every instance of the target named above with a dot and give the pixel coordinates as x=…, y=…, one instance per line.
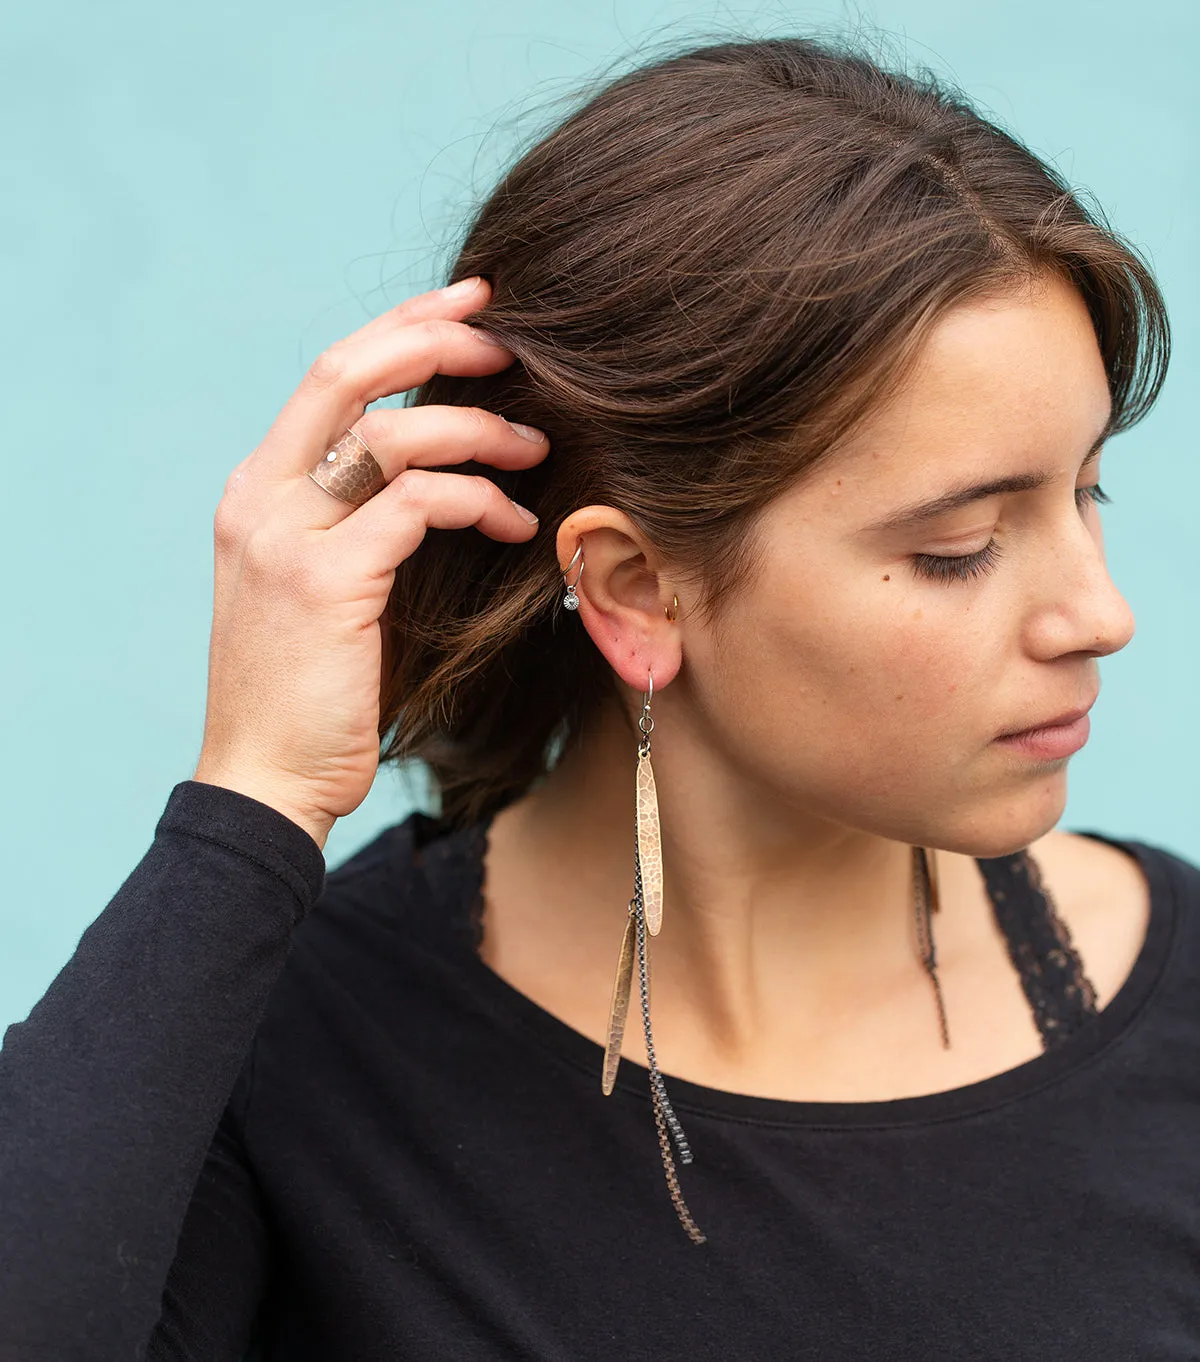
x=301, y=578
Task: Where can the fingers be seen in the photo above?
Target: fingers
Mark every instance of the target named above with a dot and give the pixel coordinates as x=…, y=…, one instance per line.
x=425, y=437
x=456, y=301
x=395, y=352
x=383, y=532
x=344, y=380
x=422, y=437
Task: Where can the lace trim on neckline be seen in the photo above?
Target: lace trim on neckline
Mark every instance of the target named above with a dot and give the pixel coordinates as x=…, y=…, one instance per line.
x=1060, y=995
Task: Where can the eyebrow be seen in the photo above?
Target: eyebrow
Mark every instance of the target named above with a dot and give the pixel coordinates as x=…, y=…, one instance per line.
x=922, y=511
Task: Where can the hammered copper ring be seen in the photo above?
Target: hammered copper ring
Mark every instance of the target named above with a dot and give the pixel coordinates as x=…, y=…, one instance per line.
x=349, y=471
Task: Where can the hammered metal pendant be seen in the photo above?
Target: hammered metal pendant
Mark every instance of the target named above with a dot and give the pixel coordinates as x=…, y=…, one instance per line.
x=619, y=1008
x=649, y=844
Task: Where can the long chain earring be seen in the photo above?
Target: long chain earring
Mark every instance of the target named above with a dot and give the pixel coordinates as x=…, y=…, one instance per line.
x=645, y=921
x=925, y=895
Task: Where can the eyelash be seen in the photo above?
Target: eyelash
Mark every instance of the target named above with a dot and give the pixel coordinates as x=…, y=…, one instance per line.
x=942, y=568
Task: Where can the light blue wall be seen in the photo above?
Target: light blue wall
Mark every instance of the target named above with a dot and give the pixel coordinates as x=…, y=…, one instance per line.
x=196, y=199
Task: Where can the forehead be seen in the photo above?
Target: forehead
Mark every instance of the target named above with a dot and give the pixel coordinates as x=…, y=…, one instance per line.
x=1029, y=357
x=1004, y=385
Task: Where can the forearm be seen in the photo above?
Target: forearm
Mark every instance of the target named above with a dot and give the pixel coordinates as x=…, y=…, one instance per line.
x=112, y=1088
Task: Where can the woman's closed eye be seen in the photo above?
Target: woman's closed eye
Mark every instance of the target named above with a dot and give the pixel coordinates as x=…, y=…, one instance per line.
x=940, y=567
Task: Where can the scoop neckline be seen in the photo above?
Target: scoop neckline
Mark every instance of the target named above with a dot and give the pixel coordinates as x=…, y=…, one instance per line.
x=1096, y=1034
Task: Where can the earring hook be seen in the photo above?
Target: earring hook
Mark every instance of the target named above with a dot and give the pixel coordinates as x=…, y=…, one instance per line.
x=646, y=719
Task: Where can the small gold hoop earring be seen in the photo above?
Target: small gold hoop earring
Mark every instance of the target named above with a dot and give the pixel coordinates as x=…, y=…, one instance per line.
x=673, y=609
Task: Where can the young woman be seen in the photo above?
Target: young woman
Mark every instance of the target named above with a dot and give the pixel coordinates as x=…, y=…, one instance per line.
x=751, y=746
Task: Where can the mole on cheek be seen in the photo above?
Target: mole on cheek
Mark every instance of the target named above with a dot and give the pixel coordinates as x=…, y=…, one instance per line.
x=887, y=576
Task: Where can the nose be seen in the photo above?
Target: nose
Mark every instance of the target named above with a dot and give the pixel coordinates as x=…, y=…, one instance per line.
x=1080, y=609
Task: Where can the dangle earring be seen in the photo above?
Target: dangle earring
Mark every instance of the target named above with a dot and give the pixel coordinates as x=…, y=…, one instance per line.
x=571, y=600
x=645, y=921
x=925, y=895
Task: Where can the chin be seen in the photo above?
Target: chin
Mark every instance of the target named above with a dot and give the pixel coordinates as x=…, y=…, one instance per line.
x=1002, y=824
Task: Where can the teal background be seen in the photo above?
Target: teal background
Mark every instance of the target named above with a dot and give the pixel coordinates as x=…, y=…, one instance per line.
x=195, y=200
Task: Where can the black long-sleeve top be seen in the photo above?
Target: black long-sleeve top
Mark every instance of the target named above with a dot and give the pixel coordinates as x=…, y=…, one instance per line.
x=265, y=1108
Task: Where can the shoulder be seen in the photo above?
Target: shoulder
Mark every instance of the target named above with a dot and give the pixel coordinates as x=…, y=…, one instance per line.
x=412, y=881
x=380, y=951
x=1078, y=867
x=1104, y=888
x=375, y=971
x=1098, y=865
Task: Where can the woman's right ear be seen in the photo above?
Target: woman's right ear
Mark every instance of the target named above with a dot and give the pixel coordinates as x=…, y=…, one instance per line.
x=620, y=597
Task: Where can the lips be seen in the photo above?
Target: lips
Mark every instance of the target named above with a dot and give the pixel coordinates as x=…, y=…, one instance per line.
x=1063, y=720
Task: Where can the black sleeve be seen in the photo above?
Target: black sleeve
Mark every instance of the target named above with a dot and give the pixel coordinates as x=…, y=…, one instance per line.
x=111, y=1091
x=224, y=1257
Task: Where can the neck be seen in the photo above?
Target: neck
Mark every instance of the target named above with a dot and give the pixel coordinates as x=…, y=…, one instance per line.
x=775, y=921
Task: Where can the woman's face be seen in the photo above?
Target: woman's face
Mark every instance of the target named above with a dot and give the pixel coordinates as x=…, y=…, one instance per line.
x=867, y=673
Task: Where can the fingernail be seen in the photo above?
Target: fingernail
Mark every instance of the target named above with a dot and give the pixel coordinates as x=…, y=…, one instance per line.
x=525, y=515
x=486, y=337
x=462, y=288
x=528, y=432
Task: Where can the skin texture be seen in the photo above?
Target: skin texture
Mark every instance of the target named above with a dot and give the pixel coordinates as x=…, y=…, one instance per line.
x=840, y=709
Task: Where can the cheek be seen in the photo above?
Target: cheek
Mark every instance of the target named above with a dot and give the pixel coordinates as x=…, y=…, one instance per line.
x=887, y=658
x=874, y=704
x=865, y=698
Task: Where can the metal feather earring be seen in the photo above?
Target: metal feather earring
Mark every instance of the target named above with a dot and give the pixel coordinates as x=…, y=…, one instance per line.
x=925, y=895
x=645, y=921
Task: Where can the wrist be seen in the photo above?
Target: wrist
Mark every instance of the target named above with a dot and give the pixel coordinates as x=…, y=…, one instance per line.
x=271, y=793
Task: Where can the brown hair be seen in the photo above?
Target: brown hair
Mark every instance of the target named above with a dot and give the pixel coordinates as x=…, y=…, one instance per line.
x=708, y=273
